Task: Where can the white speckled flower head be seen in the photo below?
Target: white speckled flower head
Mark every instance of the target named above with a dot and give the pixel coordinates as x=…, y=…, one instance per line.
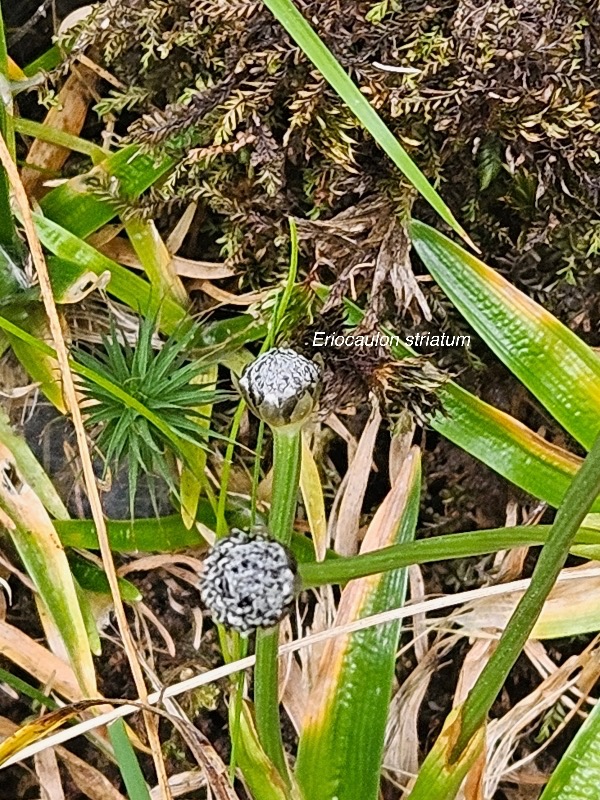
x=281, y=386
x=248, y=581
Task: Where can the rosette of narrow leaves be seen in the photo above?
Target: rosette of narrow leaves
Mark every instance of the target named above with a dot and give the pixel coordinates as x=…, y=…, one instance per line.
x=248, y=581
x=159, y=378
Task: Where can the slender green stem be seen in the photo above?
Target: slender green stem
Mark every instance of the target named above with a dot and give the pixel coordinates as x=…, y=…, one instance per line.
x=7, y=122
x=438, y=548
x=256, y=472
x=46, y=62
x=127, y=761
x=266, y=697
x=285, y=297
x=235, y=709
x=581, y=494
x=286, y=476
x=226, y=470
x=47, y=133
x=8, y=231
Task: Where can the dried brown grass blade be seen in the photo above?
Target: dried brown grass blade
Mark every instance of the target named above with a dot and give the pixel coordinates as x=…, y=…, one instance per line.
x=46, y=768
x=89, y=780
x=69, y=116
x=347, y=524
x=121, y=251
x=39, y=662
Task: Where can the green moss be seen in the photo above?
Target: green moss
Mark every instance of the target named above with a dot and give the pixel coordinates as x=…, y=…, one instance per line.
x=496, y=103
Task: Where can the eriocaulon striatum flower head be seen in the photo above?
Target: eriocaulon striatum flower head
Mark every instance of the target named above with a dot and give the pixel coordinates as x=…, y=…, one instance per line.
x=281, y=387
x=248, y=581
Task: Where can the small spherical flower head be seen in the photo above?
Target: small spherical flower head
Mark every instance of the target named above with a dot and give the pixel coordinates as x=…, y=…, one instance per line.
x=248, y=581
x=281, y=386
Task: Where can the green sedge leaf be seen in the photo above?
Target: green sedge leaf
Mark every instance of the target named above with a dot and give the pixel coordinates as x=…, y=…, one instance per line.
x=258, y=770
x=506, y=445
x=126, y=286
x=324, y=60
x=44, y=558
x=32, y=470
x=577, y=775
x=93, y=579
x=75, y=207
x=42, y=369
x=156, y=534
x=497, y=439
x=342, y=739
x=548, y=358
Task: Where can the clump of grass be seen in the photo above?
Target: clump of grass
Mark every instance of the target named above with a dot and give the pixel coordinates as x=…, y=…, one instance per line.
x=161, y=377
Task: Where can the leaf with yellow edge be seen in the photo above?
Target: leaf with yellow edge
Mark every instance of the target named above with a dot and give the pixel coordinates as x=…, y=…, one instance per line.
x=42, y=553
x=314, y=502
x=548, y=358
x=503, y=443
x=192, y=476
x=75, y=206
x=260, y=775
x=440, y=778
x=577, y=775
x=32, y=469
x=34, y=731
x=342, y=738
x=42, y=368
x=156, y=260
x=506, y=445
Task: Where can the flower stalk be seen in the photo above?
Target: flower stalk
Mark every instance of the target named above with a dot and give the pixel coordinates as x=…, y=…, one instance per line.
x=282, y=388
x=286, y=477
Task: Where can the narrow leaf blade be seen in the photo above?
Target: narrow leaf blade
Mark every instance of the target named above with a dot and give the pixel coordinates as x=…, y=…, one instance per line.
x=342, y=739
x=548, y=358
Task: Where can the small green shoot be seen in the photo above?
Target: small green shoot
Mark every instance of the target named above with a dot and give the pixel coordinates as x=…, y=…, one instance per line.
x=161, y=379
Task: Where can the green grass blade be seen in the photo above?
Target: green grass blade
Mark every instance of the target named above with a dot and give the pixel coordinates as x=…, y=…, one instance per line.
x=93, y=579
x=8, y=232
x=50, y=59
x=156, y=534
x=584, y=488
x=506, y=445
x=549, y=359
x=156, y=260
x=497, y=439
x=577, y=776
x=44, y=558
x=126, y=286
x=169, y=534
x=12, y=279
x=133, y=778
x=342, y=739
x=160, y=535
x=469, y=725
x=89, y=620
x=74, y=206
x=31, y=469
x=42, y=368
x=46, y=133
x=26, y=689
x=324, y=60
x=436, y=548
x=261, y=777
